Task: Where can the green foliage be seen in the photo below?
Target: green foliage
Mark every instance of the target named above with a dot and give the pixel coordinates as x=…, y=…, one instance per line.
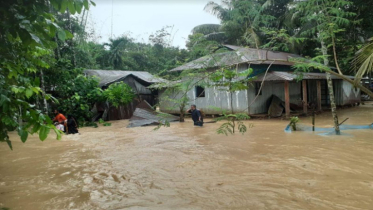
x=26, y=36
x=124, y=53
x=107, y=124
x=234, y=121
x=243, y=21
x=293, y=123
x=199, y=45
x=162, y=123
x=231, y=80
x=163, y=120
x=77, y=94
x=363, y=62
x=175, y=92
x=101, y=121
x=119, y=94
x=281, y=40
x=90, y=124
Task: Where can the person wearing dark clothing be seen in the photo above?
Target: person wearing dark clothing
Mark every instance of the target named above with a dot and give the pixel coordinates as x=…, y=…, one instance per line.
x=196, y=115
x=72, y=125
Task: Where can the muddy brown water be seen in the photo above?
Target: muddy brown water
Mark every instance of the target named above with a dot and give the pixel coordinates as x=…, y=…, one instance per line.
x=186, y=167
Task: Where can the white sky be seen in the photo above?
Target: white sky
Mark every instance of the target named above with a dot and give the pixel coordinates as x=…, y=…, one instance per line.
x=144, y=17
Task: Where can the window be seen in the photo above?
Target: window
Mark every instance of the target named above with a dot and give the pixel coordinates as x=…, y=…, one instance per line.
x=200, y=92
x=257, y=88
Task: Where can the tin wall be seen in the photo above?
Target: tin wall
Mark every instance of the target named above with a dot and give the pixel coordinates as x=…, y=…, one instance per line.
x=346, y=93
x=217, y=99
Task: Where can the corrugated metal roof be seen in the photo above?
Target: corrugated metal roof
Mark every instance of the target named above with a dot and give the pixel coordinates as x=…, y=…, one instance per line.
x=238, y=56
x=145, y=115
x=291, y=76
x=110, y=76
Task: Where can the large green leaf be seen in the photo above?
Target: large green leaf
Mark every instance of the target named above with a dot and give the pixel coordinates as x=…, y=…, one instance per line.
x=43, y=133
x=9, y=144
x=78, y=6
x=58, y=132
x=71, y=7
x=86, y=4
x=36, y=38
x=23, y=134
x=35, y=128
x=68, y=34
x=61, y=35
x=63, y=6
x=29, y=93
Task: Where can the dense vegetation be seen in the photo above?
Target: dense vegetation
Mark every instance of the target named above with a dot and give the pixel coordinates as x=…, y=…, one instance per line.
x=44, y=46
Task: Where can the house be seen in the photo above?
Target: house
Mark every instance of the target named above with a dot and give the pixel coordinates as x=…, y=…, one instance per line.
x=279, y=81
x=139, y=81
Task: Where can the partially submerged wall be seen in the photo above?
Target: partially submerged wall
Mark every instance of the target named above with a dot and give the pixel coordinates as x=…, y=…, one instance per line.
x=217, y=98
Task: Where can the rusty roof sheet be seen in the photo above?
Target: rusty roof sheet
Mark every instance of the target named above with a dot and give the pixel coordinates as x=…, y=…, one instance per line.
x=291, y=76
x=110, y=76
x=237, y=56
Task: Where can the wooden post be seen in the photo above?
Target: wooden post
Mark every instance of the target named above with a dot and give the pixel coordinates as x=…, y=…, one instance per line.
x=305, y=101
x=313, y=120
x=319, y=95
x=287, y=99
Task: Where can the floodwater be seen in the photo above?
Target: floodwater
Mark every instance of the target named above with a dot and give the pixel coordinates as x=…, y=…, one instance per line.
x=186, y=167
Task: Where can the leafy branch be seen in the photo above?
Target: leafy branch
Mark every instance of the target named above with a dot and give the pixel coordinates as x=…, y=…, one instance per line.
x=233, y=121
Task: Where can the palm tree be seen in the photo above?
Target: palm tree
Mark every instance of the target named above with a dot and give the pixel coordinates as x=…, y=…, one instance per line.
x=363, y=61
x=117, y=49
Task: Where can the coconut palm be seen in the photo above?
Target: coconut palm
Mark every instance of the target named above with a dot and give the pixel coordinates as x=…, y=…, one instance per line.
x=117, y=50
x=363, y=61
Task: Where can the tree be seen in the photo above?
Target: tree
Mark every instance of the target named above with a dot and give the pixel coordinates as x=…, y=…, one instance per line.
x=328, y=18
x=364, y=61
x=27, y=31
x=119, y=94
x=199, y=45
x=243, y=21
x=117, y=51
x=227, y=79
x=176, y=91
x=76, y=93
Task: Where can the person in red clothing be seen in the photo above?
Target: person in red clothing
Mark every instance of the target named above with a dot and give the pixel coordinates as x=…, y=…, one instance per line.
x=59, y=120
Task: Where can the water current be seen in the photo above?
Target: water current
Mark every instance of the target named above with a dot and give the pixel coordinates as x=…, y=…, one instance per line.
x=187, y=167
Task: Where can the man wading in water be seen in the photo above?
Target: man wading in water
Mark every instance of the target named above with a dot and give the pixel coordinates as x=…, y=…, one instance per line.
x=196, y=115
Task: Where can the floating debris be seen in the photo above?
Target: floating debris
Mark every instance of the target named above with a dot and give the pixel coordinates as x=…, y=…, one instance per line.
x=145, y=115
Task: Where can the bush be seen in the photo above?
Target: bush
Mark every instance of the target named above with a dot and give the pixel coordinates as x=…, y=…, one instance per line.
x=119, y=94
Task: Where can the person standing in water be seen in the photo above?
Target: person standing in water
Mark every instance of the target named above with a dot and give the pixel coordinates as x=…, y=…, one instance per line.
x=60, y=120
x=72, y=125
x=196, y=115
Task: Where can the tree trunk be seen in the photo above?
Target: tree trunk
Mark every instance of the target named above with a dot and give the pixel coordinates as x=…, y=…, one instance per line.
x=358, y=85
x=234, y=125
x=45, y=107
x=182, y=116
x=72, y=39
x=330, y=88
x=335, y=56
x=231, y=95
